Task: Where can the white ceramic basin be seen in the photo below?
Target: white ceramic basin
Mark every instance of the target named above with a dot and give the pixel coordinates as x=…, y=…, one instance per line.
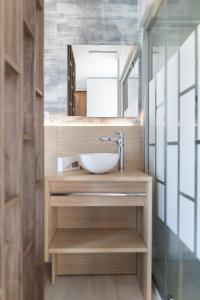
x=99, y=162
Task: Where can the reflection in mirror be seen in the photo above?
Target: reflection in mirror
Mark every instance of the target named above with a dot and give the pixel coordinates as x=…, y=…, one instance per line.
x=102, y=81
x=131, y=91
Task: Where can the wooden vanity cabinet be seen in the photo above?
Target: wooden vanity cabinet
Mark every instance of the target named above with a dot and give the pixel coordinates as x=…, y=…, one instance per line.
x=99, y=224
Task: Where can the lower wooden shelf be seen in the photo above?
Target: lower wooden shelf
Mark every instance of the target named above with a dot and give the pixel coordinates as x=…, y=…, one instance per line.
x=97, y=241
x=126, y=287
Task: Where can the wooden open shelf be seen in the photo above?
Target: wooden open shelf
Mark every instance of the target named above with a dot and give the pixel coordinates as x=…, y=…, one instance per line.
x=93, y=201
x=99, y=224
x=97, y=241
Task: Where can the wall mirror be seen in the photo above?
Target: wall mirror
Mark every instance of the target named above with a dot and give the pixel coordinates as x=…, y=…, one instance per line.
x=103, y=81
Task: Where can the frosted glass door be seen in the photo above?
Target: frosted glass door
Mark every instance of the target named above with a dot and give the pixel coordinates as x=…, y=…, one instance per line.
x=152, y=111
x=172, y=188
x=172, y=99
x=187, y=143
x=198, y=47
x=187, y=63
x=198, y=204
x=160, y=143
x=174, y=52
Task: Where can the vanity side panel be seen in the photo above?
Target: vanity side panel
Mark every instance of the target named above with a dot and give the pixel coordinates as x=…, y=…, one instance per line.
x=144, y=261
x=50, y=220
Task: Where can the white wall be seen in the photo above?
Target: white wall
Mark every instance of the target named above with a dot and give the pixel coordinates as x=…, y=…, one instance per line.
x=102, y=97
x=89, y=64
x=132, y=110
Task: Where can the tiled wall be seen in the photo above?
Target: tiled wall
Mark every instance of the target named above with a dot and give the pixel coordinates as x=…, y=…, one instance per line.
x=174, y=142
x=82, y=22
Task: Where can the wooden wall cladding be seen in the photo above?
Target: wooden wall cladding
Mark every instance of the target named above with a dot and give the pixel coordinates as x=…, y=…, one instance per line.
x=29, y=13
x=12, y=143
x=39, y=138
x=21, y=150
x=70, y=140
x=13, y=255
x=29, y=92
x=39, y=48
x=29, y=272
x=39, y=236
x=29, y=200
x=13, y=27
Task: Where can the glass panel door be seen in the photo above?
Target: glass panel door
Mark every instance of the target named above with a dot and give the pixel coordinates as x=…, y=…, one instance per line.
x=174, y=147
x=157, y=40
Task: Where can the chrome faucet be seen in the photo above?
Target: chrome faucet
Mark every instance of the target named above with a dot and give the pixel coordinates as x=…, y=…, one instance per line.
x=119, y=140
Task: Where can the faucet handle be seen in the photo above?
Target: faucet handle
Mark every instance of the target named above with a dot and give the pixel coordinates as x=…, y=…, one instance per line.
x=120, y=135
x=105, y=138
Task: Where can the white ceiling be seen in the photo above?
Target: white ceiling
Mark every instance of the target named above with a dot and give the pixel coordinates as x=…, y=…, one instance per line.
x=98, y=61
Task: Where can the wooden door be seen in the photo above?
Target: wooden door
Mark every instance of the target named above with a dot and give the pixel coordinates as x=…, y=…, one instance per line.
x=81, y=103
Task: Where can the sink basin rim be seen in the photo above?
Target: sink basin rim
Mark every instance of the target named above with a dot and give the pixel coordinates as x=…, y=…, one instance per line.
x=99, y=162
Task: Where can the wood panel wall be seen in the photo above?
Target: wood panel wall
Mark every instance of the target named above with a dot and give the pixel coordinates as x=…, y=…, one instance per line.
x=61, y=141
x=21, y=150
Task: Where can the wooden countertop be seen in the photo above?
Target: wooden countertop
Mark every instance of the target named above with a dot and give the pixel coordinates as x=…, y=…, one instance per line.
x=81, y=175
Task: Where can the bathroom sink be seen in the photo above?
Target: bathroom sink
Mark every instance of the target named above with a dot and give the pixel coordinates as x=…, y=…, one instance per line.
x=99, y=162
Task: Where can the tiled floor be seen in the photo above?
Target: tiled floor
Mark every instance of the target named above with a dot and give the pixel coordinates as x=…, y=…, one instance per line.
x=106, y=287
